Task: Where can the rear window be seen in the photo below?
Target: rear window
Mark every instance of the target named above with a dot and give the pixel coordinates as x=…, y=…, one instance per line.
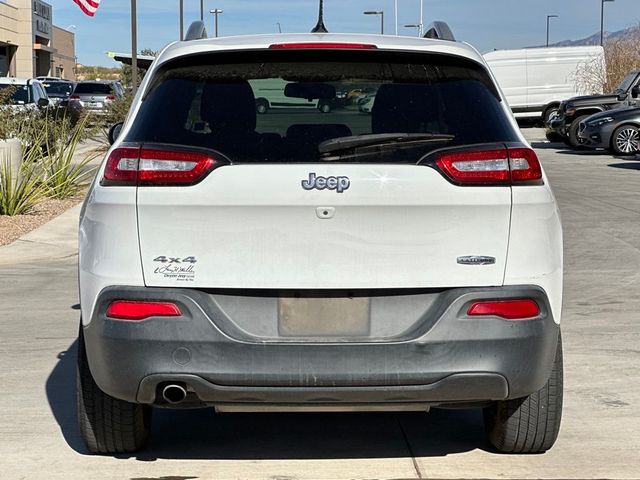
x=317, y=106
x=93, y=89
x=58, y=88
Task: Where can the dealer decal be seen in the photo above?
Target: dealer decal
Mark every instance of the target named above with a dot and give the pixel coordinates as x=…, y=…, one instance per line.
x=176, y=268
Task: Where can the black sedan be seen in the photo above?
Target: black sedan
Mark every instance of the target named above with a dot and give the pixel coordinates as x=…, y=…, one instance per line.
x=615, y=130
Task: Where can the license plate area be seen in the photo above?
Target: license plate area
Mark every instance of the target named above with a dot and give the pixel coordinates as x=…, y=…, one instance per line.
x=324, y=317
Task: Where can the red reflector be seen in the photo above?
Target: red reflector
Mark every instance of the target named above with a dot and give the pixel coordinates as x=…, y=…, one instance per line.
x=130, y=310
x=508, y=309
x=111, y=97
x=130, y=166
x=491, y=167
x=325, y=45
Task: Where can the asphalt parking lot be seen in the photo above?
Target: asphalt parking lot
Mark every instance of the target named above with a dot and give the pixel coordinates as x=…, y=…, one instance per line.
x=599, y=198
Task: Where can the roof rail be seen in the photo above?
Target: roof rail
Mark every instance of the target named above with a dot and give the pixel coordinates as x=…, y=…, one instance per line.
x=440, y=31
x=197, y=30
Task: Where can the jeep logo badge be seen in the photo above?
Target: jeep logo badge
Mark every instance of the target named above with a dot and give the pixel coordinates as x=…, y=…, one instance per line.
x=339, y=184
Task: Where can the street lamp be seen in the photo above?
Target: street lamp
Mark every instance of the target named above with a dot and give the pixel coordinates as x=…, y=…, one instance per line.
x=279, y=27
x=216, y=12
x=602, y=20
x=549, y=17
x=381, y=13
x=417, y=26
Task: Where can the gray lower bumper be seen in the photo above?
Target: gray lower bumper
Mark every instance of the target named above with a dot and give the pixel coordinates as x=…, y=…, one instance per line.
x=454, y=359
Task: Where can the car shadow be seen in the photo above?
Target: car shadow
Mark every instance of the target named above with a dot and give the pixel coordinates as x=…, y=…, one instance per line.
x=203, y=434
x=548, y=145
x=633, y=165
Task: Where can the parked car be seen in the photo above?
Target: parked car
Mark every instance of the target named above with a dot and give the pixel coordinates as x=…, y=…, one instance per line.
x=94, y=96
x=536, y=80
x=406, y=261
x=573, y=111
x=28, y=93
x=58, y=91
x=617, y=131
x=366, y=104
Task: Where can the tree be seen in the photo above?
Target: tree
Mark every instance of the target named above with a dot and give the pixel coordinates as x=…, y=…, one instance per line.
x=125, y=75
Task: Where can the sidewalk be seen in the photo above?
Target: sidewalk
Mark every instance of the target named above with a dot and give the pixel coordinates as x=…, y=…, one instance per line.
x=54, y=240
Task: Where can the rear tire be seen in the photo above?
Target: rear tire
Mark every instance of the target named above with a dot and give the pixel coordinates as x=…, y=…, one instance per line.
x=549, y=112
x=624, y=140
x=107, y=425
x=574, y=141
x=530, y=424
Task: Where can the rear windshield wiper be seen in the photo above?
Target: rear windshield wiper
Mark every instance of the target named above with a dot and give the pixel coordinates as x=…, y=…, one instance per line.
x=380, y=139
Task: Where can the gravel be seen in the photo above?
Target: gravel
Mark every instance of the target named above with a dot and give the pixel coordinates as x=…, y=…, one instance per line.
x=12, y=228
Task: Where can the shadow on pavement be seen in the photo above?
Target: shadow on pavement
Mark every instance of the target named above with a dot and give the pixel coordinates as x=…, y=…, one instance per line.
x=548, y=145
x=627, y=166
x=203, y=434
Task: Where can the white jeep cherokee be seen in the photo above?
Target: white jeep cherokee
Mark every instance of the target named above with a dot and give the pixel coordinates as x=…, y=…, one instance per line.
x=300, y=260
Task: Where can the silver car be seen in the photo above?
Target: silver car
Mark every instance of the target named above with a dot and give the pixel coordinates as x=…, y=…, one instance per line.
x=95, y=96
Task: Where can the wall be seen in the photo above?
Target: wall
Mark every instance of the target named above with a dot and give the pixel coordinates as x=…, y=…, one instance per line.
x=65, y=44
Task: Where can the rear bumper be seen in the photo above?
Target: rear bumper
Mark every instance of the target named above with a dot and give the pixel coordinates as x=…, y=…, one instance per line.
x=454, y=359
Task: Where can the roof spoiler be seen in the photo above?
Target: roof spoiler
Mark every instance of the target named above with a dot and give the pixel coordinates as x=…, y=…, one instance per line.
x=440, y=31
x=197, y=31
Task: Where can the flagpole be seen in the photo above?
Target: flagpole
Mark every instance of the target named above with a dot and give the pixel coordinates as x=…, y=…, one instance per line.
x=396, y=13
x=134, y=48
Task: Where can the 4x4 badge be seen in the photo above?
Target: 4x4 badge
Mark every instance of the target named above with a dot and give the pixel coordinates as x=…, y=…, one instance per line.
x=339, y=184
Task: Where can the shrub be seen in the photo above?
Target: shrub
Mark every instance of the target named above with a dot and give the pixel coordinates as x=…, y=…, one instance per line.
x=21, y=189
x=62, y=177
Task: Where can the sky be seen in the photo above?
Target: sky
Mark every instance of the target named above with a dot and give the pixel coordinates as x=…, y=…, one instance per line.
x=486, y=24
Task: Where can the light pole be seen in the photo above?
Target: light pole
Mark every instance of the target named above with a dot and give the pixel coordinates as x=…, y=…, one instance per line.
x=602, y=20
x=417, y=26
x=381, y=13
x=549, y=17
x=181, y=20
x=421, y=18
x=279, y=27
x=202, y=10
x=216, y=12
x=134, y=47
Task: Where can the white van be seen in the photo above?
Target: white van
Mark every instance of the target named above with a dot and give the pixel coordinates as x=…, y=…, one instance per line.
x=536, y=80
x=269, y=94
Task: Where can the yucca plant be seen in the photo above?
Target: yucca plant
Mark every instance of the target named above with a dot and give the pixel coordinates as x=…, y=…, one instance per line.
x=62, y=176
x=21, y=188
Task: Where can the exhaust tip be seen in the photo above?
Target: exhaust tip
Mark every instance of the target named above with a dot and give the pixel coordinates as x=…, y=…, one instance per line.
x=174, y=394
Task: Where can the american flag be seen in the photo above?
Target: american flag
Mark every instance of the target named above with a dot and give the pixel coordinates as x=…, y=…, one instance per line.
x=89, y=7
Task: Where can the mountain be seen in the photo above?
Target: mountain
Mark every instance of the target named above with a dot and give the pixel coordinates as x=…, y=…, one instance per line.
x=595, y=38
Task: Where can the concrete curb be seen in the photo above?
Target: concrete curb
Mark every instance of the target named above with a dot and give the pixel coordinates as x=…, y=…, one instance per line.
x=56, y=239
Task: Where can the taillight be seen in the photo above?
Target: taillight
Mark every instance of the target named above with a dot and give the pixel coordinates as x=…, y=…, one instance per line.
x=507, y=309
x=128, y=166
x=74, y=97
x=324, y=45
x=525, y=166
x=491, y=167
x=111, y=98
x=136, y=311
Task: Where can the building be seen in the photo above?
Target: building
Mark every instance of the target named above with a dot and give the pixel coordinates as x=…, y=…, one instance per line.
x=30, y=45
